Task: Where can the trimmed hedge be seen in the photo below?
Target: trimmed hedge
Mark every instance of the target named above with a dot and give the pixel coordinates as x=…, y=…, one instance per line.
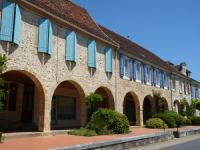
x=167, y=119
x=156, y=123
x=187, y=121
x=195, y=120
x=178, y=118
x=104, y=120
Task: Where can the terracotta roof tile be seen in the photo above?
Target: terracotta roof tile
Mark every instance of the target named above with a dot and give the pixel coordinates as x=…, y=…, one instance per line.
x=72, y=13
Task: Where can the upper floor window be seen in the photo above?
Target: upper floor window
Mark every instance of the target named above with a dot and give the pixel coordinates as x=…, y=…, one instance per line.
x=148, y=75
x=186, y=87
x=126, y=67
x=180, y=86
x=71, y=46
x=157, y=78
x=173, y=83
x=165, y=80
x=11, y=22
x=92, y=54
x=138, y=71
x=108, y=57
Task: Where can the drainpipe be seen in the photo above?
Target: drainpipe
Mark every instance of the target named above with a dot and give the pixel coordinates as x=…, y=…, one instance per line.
x=116, y=91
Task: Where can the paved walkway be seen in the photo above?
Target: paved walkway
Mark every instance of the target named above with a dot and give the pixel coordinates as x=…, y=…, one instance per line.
x=41, y=143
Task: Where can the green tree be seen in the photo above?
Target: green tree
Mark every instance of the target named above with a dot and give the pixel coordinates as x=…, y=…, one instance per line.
x=90, y=101
x=3, y=66
x=159, y=101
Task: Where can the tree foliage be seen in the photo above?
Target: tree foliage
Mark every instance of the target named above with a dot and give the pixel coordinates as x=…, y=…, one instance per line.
x=159, y=101
x=3, y=66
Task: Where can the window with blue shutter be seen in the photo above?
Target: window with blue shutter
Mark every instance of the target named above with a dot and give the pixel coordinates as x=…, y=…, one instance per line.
x=109, y=56
x=152, y=80
x=161, y=79
x=131, y=69
x=168, y=80
x=11, y=23
x=145, y=73
x=71, y=46
x=134, y=69
x=154, y=76
x=142, y=73
x=45, y=36
x=92, y=54
x=17, y=24
x=121, y=66
x=192, y=91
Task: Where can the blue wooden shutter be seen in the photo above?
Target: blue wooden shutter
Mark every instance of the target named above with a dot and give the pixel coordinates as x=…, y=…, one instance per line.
x=142, y=73
x=71, y=48
x=50, y=38
x=168, y=81
x=160, y=79
x=108, y=55
x=7, y=21
x=192, y=91
x=163, y=80
x=131, y=68
x=134, y=70
x=92, y=58
x=43, y=35
x=17, y=25
x=121, y=66
x=145, y=73
x=152, y=81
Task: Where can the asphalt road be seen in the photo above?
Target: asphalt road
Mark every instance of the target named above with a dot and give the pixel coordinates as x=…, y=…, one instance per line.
x=192, y=145
x=185, y=143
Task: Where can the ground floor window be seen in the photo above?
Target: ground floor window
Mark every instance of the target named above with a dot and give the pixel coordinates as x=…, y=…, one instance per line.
x=66, y=108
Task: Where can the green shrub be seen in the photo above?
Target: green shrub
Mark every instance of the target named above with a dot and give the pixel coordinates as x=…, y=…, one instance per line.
x=104, y=120
x=167, y=119
x=187, y=121
x=178, y=118
x=83, y=132
x=156, y=123
x=195, y=120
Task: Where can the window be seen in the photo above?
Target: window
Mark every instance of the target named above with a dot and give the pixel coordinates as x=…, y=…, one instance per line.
x=186, y=87
x=11, y=23
x=126, y=67
x=138, y=72
x=148, y=75
x=180, y=86
x=92, y=54
x=71, y=47
x=66, y=109
x=157, y=78
x=183, y=86
x=165, y=80
x=108, y=57
x=173, y=83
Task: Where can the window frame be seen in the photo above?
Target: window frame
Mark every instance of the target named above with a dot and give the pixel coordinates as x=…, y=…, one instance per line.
x=166, y=82
x=186, y=86
x=149, y=83
x=128, y=68
x=180, y=86
x=138, y=63
x=157, y=71
x=173, y=83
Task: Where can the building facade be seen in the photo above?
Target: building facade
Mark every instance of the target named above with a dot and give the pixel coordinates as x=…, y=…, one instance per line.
x=59, y=55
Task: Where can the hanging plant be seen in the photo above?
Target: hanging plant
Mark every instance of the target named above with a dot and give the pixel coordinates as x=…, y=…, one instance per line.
x=159, y=101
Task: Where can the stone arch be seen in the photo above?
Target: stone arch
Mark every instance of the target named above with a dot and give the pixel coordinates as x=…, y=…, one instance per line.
x=149, y=107
x=165, y=106
x=177, y=106
x=82, y=96
x=42, y=125
x=137, y=106
x=111, y=102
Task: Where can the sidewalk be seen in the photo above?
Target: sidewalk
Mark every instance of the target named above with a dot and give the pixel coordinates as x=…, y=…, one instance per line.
x=41, y=143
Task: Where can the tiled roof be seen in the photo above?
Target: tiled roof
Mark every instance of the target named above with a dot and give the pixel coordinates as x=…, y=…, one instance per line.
x=72, y=13
x=135, y=49
x=178, y=67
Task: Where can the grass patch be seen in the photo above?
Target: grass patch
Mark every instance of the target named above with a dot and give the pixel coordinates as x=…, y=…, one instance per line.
x=83, y=132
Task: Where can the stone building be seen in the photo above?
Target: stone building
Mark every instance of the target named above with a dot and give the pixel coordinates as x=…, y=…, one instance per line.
x=59, y=55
